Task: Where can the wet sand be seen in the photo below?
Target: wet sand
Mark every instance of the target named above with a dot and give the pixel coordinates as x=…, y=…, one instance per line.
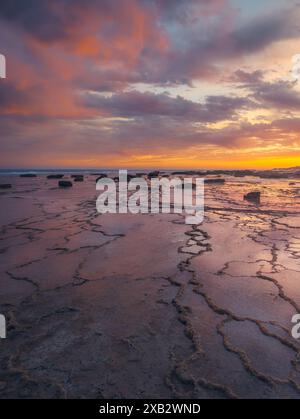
x=145, y=306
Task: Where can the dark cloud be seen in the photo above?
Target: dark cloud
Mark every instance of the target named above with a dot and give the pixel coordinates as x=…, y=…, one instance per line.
x=247, y=78
x=136, y=104
x=288, y=125
x=10, y=95
x=281, y=95
x=203, y=52
x=186, y=11
x=263, y=31
x=38, y=18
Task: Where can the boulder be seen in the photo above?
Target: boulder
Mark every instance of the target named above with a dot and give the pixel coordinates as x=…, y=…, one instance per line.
x=55, y=176
x=78, y=179
x=28, y=175
x=153, y=174
x=219, y=181
x=65, y=184
x=253, y=197
x=5, y=186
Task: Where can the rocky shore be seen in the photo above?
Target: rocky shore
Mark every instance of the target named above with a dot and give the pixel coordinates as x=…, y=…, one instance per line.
x=145, y=306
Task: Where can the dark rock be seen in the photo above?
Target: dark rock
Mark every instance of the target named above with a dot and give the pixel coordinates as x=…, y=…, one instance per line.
x=153, y=174
x=55, y=176
x=65, y=184
x=5, y=186
x=253, y=197
x=218, y=181
x=78, y=179
x=28, y=175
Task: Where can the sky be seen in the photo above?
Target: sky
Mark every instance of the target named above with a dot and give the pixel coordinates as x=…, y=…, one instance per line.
x=150, y=84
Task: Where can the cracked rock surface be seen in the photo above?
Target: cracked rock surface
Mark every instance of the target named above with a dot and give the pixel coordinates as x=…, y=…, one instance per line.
x=145, y=306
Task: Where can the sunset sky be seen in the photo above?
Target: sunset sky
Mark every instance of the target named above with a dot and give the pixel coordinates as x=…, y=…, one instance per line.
x=150, y=83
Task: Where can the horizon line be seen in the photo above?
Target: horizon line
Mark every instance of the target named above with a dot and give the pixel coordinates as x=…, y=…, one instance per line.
x=11, y=169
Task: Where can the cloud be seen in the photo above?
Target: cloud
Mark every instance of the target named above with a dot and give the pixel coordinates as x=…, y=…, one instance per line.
x=36, y=17
x=280, y=95
x=136, y=104
x=74, y=67
x=222, y=42
x=264, y=31
x=247, y=78
x=155, y=41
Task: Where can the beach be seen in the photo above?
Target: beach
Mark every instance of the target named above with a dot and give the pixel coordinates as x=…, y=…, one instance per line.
x=146, y=306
